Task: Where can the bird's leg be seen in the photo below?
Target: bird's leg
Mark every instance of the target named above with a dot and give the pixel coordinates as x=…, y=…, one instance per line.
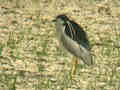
x=74, y=65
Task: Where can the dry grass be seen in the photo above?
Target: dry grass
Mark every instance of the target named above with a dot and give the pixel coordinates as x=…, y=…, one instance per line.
x=30, y=58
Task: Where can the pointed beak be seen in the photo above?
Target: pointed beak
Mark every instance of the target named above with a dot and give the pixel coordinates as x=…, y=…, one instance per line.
x=54, y=20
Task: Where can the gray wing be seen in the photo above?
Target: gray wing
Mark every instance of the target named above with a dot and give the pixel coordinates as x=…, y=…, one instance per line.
x=76, y=42
x=76, y=33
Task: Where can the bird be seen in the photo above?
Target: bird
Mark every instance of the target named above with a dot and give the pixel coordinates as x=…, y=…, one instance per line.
x=73, y=39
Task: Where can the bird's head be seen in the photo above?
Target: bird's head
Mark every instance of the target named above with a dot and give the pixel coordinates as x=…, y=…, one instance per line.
x=61, y=19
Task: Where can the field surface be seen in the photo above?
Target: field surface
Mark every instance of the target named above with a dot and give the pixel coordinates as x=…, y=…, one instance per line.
x=30, y=55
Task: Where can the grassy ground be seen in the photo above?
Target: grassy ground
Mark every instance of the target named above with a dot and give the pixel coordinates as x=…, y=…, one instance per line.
x=30, y=57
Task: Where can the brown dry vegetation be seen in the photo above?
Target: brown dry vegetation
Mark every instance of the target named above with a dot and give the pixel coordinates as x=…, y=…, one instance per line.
x=30, y=57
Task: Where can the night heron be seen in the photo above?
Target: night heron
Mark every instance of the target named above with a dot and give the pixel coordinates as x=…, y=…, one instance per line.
x=72, y=37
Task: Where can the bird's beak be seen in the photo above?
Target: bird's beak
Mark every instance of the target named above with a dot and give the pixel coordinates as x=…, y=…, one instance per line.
x=54, y=20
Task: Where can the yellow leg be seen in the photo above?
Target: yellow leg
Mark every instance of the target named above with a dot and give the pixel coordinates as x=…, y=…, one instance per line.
x=74, y=65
